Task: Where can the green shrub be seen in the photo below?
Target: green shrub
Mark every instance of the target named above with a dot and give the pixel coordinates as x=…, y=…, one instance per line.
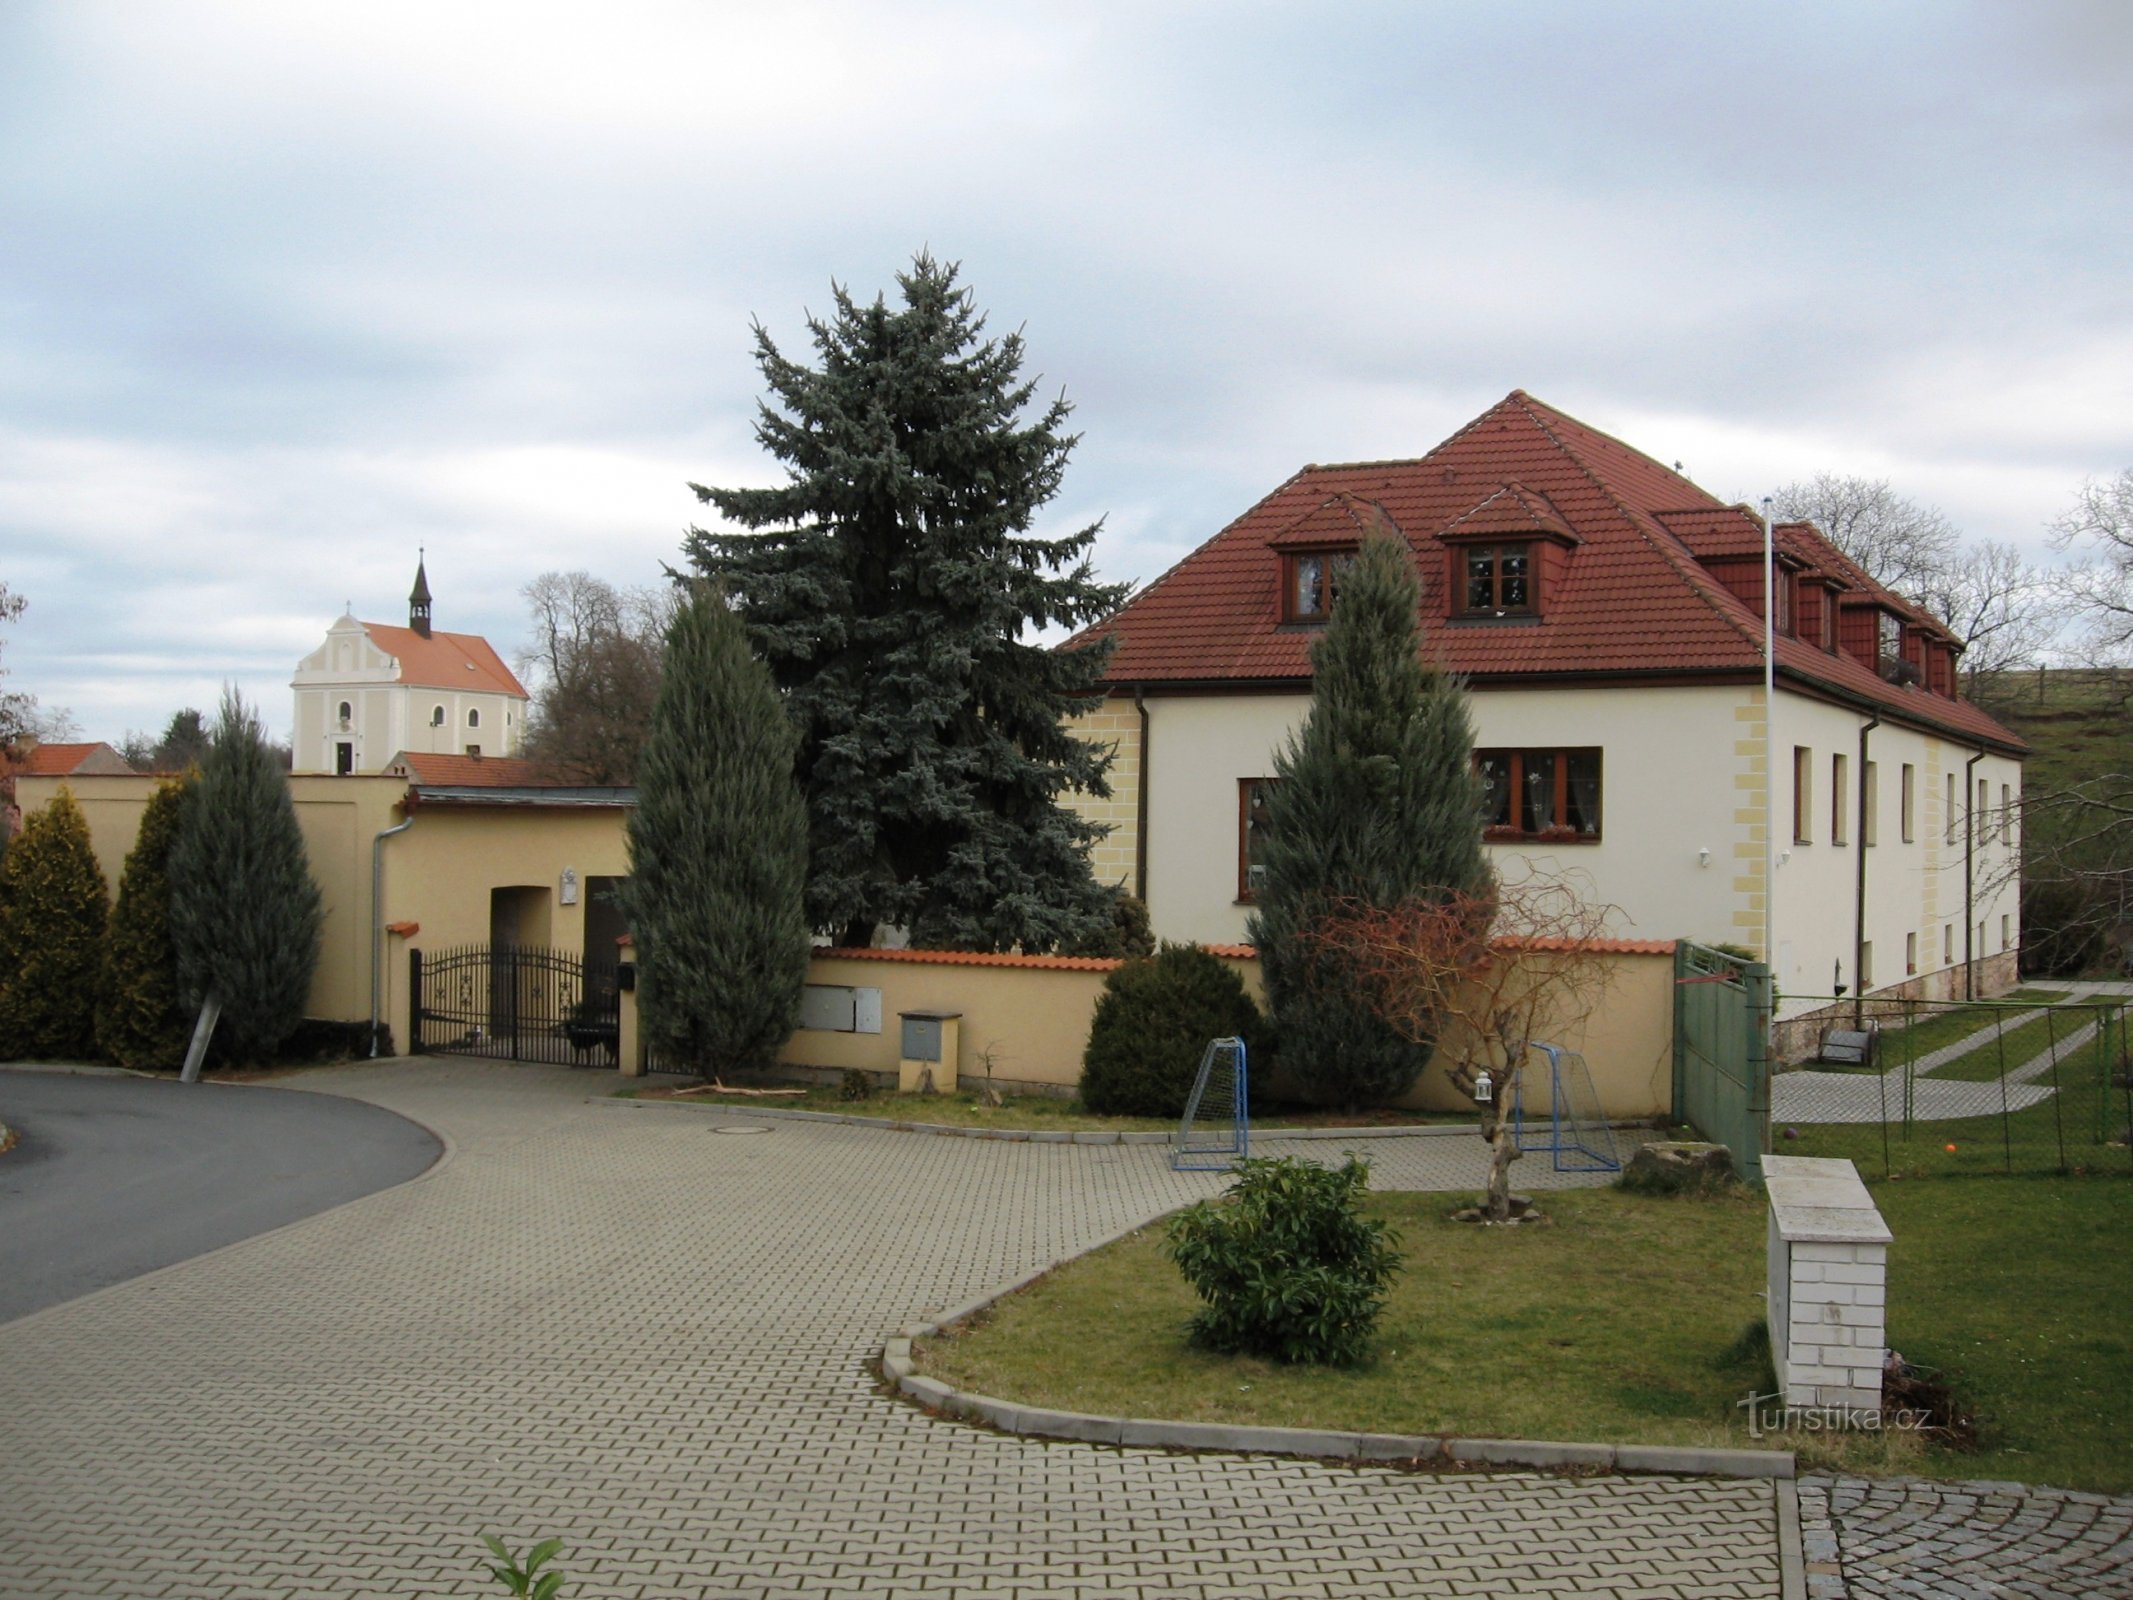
x=52, y=912
x=1286, y=1262
x=1152, y=1025
x=139, y=1021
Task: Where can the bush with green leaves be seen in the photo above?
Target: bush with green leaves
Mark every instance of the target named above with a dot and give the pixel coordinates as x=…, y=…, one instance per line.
x=1288, y=1266
x=140, y=1022
x=52, y=911
x=1152, y=1025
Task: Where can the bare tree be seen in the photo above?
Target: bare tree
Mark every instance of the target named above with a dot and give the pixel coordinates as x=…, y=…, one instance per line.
x=1996, y=604
x=595, y=662
x=1902, y=545
x=1487, y=975
x=20, y=715
x=2100, y=589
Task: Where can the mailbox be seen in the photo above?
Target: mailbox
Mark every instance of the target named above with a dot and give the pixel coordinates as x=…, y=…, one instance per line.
x=931, y=1042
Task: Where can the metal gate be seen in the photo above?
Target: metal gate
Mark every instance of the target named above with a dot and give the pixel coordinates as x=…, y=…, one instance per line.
x=515, y=1003
x=1722, y=1051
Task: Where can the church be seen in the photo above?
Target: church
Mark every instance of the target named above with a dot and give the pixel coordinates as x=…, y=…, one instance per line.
x=373, y=691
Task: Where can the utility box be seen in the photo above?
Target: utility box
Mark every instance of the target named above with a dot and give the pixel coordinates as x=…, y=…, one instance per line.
x=932, y=1043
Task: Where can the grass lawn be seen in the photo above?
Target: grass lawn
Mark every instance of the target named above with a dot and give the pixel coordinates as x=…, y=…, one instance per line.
x=1624, y=1322
x=961, y=1110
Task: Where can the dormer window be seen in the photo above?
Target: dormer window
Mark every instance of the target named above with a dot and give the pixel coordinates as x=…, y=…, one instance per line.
x=1312, y=582
x=1499, y=580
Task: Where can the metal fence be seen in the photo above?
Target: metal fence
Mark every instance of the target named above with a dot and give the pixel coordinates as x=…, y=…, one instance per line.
x=2038, y=1082
x=1721, y=1036
x=515, y=1003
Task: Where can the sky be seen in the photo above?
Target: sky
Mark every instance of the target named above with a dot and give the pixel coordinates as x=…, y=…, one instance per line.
x=288, y=293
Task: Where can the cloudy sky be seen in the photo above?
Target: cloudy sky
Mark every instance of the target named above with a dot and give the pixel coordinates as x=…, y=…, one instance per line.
x=287, y=291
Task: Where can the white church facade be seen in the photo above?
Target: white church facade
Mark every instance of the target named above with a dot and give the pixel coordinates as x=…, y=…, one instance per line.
x=373, y=691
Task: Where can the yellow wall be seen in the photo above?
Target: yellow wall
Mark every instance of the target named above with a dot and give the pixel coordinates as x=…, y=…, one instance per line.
x=438, y=874
x=1114, y=723
x=1035, y=1021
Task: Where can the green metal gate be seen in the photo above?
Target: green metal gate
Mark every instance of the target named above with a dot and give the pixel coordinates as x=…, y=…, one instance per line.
x=1722, y=1051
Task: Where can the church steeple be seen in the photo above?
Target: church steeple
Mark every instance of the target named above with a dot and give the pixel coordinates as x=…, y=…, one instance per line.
x=418, y=600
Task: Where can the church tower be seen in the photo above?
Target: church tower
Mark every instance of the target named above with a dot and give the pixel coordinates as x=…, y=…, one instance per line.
x=418, y=600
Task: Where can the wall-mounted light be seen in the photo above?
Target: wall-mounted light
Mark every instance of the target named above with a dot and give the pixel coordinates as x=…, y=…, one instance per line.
x=1703, y=858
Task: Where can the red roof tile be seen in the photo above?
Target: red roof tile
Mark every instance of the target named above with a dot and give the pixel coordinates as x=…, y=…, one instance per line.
x=1633, y=598
x=445, y=660
x=95, y=759
x=477, y=772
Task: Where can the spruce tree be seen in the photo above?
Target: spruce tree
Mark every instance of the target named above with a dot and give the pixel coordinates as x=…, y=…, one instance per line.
x=1377, y=804
x=52, y=910
x=888, y=583
x=245, y=915
x=718, y=853
x=140, y=1022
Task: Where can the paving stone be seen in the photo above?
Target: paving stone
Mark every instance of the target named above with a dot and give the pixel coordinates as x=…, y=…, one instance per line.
x=612, y=1327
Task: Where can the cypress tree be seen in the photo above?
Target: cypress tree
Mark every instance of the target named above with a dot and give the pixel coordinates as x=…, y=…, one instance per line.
x=1378, y=803
x=718, y=853
x=244, y=912
x=887, y=584
x=52, y=910
x=139, y=1020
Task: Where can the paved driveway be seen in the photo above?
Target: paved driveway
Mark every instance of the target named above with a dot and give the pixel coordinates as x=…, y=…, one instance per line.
x=647, y=1331
x=115, y=1175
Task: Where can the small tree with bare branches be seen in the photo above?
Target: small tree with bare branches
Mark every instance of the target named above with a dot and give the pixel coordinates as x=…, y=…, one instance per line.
x=1487, y=975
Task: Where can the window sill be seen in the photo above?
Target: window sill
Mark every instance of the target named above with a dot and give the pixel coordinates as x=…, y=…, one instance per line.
x=1552, y=836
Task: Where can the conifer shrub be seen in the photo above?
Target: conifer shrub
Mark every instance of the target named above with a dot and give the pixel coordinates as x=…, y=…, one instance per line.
x=1151, y=1026
x=245, y=914
x=140, y=1022
x=53, y=907
x=1287, y=1265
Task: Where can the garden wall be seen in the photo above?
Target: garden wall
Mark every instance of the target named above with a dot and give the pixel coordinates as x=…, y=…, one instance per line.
x=1031, y=1015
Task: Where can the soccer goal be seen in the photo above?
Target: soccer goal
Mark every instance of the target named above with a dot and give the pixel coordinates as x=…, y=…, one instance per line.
x=1216, y=1128
x=1570, y=1126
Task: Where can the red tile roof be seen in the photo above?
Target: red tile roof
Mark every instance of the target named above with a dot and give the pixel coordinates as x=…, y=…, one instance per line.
x=445, y=660
x=67, y=760
x=1633, y=600
x=476, y=772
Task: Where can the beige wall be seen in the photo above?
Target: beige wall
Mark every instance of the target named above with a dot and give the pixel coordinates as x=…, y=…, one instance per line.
x=1035, y=1021
x=1115, y=724
x=438, y=874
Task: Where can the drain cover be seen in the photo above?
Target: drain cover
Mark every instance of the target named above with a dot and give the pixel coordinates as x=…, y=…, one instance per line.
x=740, y=1130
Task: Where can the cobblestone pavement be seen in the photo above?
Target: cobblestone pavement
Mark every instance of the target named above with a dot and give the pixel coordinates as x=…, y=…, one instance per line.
x=646, y=1330
x=1807, y=1096
x=1907, y=1539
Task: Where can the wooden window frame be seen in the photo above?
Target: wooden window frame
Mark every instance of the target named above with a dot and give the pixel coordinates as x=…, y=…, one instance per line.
x=1335, y=557
x=1840, y=771
x=1246, y=895
x=1516, y=781
x=1803, y=794
x=1910, y=803
x=1497, y=550
x=1869, y=804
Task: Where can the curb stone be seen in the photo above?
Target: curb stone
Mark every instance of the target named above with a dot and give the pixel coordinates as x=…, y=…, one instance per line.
x=1010, y=1416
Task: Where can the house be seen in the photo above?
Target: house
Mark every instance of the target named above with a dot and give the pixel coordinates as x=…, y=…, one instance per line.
x=32, y=758
x=372, y=691
x=1857, y=829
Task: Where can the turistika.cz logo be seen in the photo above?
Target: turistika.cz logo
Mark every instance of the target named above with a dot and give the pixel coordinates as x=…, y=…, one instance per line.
x=1769, y=1413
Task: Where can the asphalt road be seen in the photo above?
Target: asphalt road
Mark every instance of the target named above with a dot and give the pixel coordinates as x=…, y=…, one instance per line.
x=116, y=1176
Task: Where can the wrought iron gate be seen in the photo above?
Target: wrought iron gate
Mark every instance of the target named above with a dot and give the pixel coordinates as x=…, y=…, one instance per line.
x=1722, y=1051
x=516, y=1003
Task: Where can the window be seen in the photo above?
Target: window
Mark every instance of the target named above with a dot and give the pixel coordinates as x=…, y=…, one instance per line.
x=1947, y=944
x=473, y=719
x=1541, y=794
x=1948, y=822
x=1866, y=966
x=473, y=749
x=1910, y=954
x=1499, y=580
x=2006, y=813
x=1313, y=584
x=1910, y=801
x=436, y=716
x=1870, y=804
x=347, y=713
x=1981, y=821
x=1888, y=642
x=1803, y=800
x=1839, y=773
x=2006, y=930
x=1252, y=797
